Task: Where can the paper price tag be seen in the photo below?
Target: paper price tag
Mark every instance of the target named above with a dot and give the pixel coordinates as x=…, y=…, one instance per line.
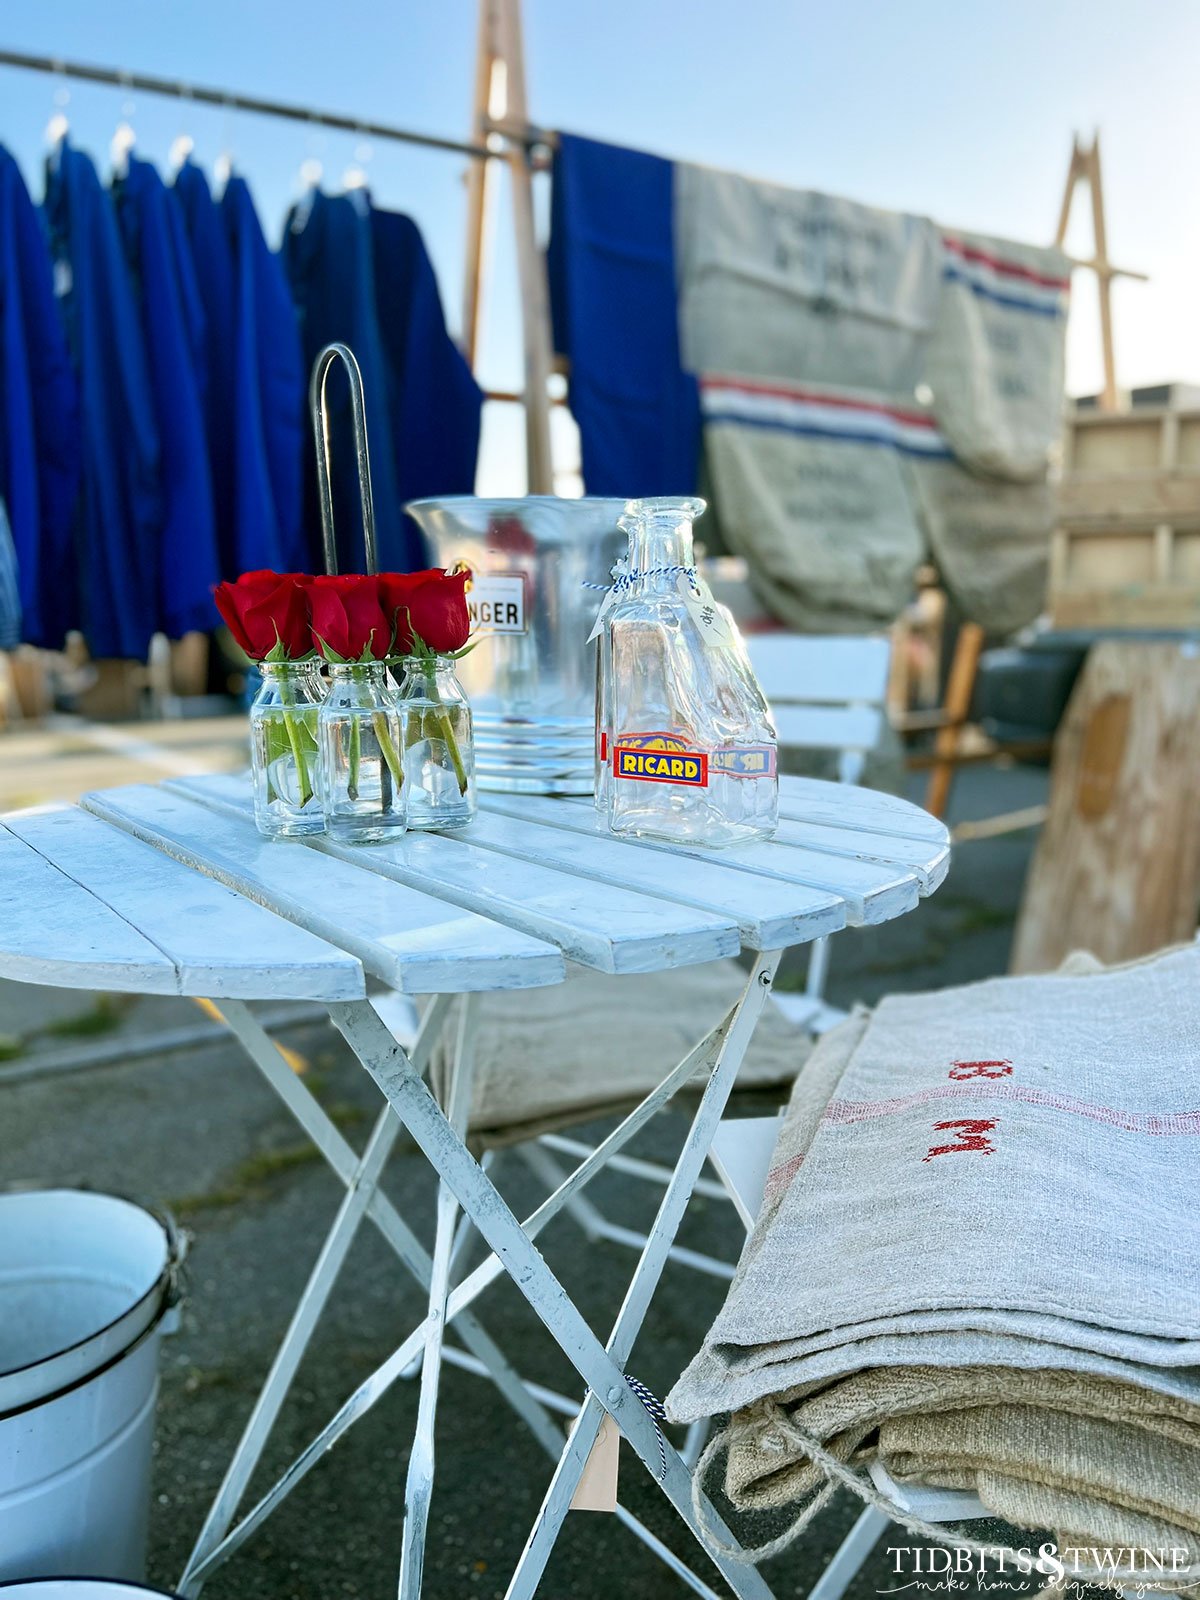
x=597, y=1487
x=704, y=611
x=610, y=600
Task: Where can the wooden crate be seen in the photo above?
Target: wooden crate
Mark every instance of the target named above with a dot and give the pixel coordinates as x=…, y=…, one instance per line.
x=1126, y=552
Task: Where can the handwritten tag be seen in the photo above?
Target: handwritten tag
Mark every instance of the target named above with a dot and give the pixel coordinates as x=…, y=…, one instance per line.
x=610, y=600
x=597, y=1488
x=703, y=609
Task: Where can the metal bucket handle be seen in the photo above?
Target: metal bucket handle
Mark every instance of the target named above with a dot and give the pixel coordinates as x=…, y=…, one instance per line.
x=319, y=411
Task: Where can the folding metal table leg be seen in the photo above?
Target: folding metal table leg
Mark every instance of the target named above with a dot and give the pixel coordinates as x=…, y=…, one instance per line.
x=342, y=1159
x=645, y=1277
x=415, y=1106
x=419, y=1487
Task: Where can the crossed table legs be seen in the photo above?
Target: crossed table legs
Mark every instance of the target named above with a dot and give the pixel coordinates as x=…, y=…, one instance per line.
x=463, y=1182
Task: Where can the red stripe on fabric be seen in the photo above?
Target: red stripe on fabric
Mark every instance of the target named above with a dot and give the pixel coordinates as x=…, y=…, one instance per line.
x=779, y=391
x=781, y=1175
x=1178, y=1122
x=1008, y=269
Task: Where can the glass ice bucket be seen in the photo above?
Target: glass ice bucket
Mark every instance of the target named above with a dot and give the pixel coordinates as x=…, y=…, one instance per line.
x=531, y=679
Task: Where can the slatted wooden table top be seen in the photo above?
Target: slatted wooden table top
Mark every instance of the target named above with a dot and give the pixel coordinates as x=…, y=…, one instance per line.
x=169, y=889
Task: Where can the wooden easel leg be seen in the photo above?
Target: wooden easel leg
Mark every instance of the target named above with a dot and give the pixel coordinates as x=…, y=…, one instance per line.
x=959, y=688
x=478, y=184
x=531, y=267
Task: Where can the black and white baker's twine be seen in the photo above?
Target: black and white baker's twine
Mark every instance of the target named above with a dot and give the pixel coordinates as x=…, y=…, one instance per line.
x=656, y=1410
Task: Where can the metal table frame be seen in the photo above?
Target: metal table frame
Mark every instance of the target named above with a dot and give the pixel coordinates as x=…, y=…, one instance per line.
x=464, y=1183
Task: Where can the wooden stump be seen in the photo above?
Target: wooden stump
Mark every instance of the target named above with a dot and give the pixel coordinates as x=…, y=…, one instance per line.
x=1117, y=869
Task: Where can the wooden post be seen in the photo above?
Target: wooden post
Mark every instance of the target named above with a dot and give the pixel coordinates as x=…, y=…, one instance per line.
x=1085, y=163
x=959, y=688
x=500, y=46
x=478, y=179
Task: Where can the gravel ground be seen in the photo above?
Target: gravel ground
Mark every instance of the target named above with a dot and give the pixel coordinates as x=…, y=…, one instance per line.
x=199, y=1131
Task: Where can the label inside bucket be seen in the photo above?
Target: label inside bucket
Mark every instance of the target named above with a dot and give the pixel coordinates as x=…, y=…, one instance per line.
x=496, y=603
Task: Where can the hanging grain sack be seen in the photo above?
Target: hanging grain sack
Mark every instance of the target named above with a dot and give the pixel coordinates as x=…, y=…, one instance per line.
x=996, y=358
x=990, y=538
x=809, y=486
x=787, y=283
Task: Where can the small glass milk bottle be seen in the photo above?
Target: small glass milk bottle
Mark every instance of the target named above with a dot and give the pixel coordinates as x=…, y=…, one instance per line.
x=362, y=778
x=436, y=738
x=284, y=764
x=693, y=750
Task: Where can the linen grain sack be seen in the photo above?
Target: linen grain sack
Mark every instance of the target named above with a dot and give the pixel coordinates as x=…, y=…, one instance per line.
x=990, y=538
x=809, y=486
x=789, y=283
x=997, y=355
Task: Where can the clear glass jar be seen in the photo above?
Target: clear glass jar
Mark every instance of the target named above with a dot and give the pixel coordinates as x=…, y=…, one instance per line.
x=362, y=780
x=692, y=755
x=620, y=577
x=284, y=764
x=439, y=751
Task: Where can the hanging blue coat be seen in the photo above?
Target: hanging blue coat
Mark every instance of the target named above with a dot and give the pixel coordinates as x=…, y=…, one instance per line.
x=174, y=329
x=437, y=405
x=611, y=264
x=40, y=451
x=362, y=276
x=256, y=379
x=212, y=262
x=268, y=397
x=121, y=516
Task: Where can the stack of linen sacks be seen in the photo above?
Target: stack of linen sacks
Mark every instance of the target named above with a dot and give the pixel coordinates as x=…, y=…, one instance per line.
x=978, y=1260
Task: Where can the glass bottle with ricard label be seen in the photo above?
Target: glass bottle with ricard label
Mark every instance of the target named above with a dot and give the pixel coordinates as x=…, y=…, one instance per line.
x=691, y=745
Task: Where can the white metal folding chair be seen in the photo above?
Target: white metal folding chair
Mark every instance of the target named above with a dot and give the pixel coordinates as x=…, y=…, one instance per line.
x=826, y=694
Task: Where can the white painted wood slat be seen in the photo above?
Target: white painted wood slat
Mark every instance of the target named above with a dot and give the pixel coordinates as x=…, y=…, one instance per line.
x=769, y=915
x=872, y=892
x=416, y=944
x=928, y=865
x=595, y=923
x=864, y=810
x=221, y=944
x=52, y=931
x=827, y=727
x=824, y=670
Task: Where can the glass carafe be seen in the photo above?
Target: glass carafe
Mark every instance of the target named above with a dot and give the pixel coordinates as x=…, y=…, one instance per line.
x=439, y=752
x=362, y=779
x=284, y=765
x=620, y=580
x=692, y=754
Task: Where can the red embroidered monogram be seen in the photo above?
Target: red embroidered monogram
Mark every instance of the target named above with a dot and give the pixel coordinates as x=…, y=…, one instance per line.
x=973, y=1136
x=980, y=1069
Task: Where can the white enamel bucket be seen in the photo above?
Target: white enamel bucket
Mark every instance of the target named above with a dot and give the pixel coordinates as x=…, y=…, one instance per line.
x=86, y=1281
x=79, y=1589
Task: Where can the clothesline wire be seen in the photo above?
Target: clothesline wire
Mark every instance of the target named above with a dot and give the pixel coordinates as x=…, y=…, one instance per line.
x=178, y=89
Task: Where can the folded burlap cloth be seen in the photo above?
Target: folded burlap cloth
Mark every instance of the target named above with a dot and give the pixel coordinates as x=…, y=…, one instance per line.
x=978, y=1259
x=598, y=1044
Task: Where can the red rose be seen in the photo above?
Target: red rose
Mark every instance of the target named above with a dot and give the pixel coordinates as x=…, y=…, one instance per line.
x=263, y=609
x=347, y=617
x=431, y=605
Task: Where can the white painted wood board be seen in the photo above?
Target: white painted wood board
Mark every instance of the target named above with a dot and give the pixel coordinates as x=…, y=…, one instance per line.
x=610, y=928
x=415, y=943
x=220, y=944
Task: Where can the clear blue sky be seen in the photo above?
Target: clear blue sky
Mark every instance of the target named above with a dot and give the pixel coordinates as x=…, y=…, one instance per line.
x=960, y=111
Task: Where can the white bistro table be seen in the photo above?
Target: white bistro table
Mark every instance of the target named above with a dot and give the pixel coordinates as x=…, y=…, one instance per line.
x=168, y=889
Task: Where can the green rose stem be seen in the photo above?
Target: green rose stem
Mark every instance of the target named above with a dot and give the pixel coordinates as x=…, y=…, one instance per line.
x=293, y=733
x=387, y=746
x=445, y=728
x=355, y=759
